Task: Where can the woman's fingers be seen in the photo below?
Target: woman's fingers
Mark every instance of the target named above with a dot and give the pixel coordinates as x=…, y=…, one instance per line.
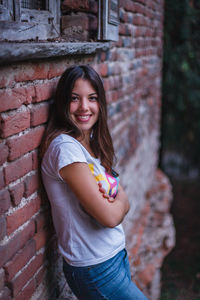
x=111, y=199
x=105, y=195
x=101, y=189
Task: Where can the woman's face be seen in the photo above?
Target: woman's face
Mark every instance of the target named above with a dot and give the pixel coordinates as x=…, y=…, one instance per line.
x=84, y=105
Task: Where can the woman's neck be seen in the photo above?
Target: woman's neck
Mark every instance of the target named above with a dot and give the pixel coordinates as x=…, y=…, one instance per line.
x=84, y=139
x=85, y=142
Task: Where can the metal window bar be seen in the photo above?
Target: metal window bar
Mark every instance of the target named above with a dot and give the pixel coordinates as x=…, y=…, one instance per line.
x=33, y=4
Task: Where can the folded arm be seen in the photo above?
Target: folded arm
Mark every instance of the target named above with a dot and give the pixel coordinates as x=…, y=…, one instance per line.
x=81, y=181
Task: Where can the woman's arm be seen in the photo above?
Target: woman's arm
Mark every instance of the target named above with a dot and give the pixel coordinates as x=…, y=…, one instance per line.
x=81, y=181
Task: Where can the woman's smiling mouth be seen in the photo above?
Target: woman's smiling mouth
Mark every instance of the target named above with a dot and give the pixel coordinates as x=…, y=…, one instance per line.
x=83, y=118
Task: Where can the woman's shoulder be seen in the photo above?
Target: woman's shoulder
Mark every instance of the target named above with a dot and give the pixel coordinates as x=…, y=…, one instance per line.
x=61, y=141
x=63, y=138
x=63, y=146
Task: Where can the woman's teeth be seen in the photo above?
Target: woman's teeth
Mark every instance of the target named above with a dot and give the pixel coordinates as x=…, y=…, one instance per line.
x=83, y=117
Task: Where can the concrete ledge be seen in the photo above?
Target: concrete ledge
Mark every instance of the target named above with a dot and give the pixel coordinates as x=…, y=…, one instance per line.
x=10, y=52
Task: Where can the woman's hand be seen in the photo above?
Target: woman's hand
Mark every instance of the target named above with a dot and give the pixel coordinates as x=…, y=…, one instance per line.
x=104, y=194
x=121, y=196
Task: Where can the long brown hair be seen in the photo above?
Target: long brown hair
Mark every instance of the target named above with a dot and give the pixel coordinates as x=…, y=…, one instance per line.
x=61, y=122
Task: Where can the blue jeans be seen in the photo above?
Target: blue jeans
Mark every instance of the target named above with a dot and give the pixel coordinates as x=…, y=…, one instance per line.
x=109, y=280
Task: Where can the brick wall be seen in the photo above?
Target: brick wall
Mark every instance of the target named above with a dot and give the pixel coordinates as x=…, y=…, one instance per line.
x=79, y=20
x=30, y=267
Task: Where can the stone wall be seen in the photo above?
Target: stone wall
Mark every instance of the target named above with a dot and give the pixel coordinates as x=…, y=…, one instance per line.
x=30, y=267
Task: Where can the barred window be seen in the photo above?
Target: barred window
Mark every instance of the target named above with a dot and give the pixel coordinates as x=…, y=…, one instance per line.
x=29, y=20
x=39, y=20
x=32, y=4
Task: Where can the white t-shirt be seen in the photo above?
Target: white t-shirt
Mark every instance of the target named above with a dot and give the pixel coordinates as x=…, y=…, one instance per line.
x=82, y=240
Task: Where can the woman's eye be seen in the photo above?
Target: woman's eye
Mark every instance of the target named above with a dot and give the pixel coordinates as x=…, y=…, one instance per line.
x=74, y=98
x=93, y=98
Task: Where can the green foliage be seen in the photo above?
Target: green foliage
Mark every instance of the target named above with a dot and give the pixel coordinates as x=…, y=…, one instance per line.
x=181, y=79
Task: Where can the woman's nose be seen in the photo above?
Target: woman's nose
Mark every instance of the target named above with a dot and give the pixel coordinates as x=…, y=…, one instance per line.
x=84, y=103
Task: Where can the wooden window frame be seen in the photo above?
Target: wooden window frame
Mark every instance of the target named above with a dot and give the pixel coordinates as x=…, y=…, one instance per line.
x=22, y=24
x=108, y=16
x=23, y=39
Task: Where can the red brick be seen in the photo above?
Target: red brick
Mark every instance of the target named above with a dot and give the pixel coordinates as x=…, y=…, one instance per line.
x=32, y=71
x=137, y=261
x=19, y=282
x=7, y=251
x=31, y=184
x=14, y=98
x=39, y=114
x=119, y=43
x=35, y=159
x=5, y=202
x=103, y=70
x=75, y=27
x=115, y=70
x=141, y=9
x=44, y=91
x=6, y=76
x=139, y=32
x=23, y=214
x=2, y=278
x=69, y=22
x=107, y=84
x=93, y=6
x=93, y=24
x=56, y=69
x=20, y=260
x=17, y=193
x=23, y=73
x=18, y=168
x=138, y=20
x=146, y=275
x=2, y=227
x=122, y=29
x=30, y=92
x=25, y=143
x=103, y=56
x=128, y=5
x=15, y=121
x=4, y=153
x=41, y=238
x=75, y=5
x=40, y=276
x=112, y=96
x=2, y=182
x=5, y=294
x=117, y=83
x=27, y=292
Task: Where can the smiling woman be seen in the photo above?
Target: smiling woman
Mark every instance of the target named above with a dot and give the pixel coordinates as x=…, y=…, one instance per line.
x=87, y=201
x=84, y=106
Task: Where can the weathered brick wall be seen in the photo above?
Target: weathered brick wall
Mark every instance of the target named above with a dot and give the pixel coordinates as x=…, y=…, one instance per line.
x=131, y=69
x=79, y=20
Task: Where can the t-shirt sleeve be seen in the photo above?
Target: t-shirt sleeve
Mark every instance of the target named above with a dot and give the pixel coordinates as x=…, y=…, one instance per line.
x=65, y=154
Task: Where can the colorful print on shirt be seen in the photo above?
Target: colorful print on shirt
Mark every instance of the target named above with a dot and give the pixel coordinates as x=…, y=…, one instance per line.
x=109, y=183
x=114, y=182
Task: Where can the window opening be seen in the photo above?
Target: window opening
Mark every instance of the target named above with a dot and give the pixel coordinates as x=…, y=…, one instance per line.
x=29, y=20
x=31, y=4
